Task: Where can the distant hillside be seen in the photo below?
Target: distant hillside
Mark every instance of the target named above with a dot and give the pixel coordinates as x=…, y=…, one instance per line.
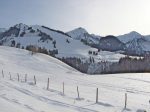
x=77, y=48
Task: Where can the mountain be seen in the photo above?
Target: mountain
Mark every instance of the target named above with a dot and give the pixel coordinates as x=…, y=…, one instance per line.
x=131, y=43
x=147, y=38
x=2, y=30
x=44, y=37
x=77, y=33
x=111, y=43
x=84, y=36
x=56, y=43
x=129, y=36
x=138, y=46
x=75, y=43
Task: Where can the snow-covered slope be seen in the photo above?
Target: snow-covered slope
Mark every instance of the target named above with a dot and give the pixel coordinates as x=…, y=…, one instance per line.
x=76, y=33
x=138, y=46
x=69, y=49
x=147, y=37
x=26, y=97
x=129, y=37
x=65, y=49
x=82, y=34
x=76, y=43
x=44, y=38
x=108, y=56
x=2, y=30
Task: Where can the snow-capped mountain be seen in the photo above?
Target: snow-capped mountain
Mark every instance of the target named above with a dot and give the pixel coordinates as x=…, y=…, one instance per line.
x=44, y=37
x=77, y=42
x=56, y=43
x=2, y=30
x=77, y=33
x=129, y=36
x=82, y=53
x=84, y=36
x=147, y=37
x=138, y=46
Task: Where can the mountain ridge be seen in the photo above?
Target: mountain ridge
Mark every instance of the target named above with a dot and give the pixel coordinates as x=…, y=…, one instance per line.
x=46, y=34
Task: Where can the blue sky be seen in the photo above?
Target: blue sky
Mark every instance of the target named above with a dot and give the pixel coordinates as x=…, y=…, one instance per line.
x=101, y=17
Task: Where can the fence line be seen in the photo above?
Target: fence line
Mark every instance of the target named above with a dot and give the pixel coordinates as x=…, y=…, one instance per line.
x=48, y=84
x=78, y=92
x=63, y=87
x=97, y=95
x=10, y=76
x=25, y=80
x=18, y=77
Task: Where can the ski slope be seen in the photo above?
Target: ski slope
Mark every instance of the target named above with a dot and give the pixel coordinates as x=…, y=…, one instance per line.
x=72, y=48
x=26, y=97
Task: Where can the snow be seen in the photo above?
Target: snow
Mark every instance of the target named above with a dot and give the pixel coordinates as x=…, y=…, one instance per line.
x=129, y=37
x=81, y=33
x=108, y=56
x=26, y=97
x=146, y=45
x=76, y=33
x=141, y=44
x=75, y=48
x=136, y=41
x=147, y=37
x=2, y=30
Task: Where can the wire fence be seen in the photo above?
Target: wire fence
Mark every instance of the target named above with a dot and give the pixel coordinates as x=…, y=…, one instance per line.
x=23, y=78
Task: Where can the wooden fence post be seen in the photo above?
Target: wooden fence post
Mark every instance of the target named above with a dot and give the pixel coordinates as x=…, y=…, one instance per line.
x=78, y=92
x=63, y=88
x=125, y=106
x=2, y=74
x=97, y=95
x=25, y=78
x=10, y=76
x=34, y=80
x=18, y=76
x=48, y=84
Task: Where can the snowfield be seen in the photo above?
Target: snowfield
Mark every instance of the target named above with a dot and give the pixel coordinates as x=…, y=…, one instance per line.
x=26, y=97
